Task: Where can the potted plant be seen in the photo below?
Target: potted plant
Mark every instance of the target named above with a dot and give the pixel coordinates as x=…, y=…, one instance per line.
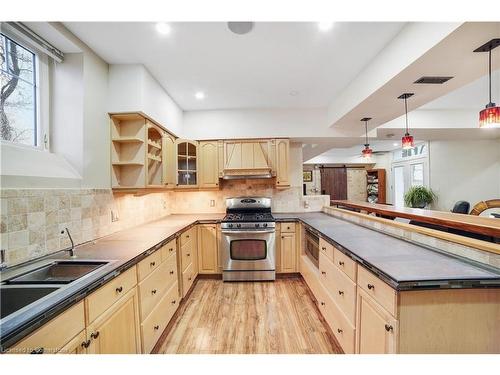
x=419, y=197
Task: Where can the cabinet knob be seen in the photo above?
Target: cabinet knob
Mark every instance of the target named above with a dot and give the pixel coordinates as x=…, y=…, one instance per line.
x=119, y=289
x=38, y=351
x=288, y=228
x=152, y=264
x=187, y=236
x=282, y=236
x=323, y=248
x=341, y=293
x=188, y=254
x=153, y=291
x=388, y=328
x=156, y=328
x=171, y=272
x=171, y=249
x=323, y=272
x=340, y=330
x=94, y=335
x=371, y=286
x=322, y=303
x=86, y=344
x=341, y=263
x=173, y=302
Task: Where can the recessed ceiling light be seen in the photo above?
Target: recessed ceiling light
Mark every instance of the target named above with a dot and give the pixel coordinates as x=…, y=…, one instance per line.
x=163, y=28
x=294, y=93
x=325, y=26
x=240, y=28
x=199, y=95
x=395, y=144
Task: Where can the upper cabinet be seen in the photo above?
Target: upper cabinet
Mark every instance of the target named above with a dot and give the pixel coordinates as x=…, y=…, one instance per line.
x=282, y=162
x=187, y=163
x=169, y=162
x=209, y=164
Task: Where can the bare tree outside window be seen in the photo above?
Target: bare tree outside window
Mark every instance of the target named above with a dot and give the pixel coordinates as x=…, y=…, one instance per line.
x=17, y=93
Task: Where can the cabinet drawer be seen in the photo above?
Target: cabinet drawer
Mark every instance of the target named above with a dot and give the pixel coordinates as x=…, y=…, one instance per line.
x=343, y=330
x=54, y=335
x=341, y=288
x=187, y=236
x=326, y=249
x=108, y=294
x=168, y=250
x=188, y=277
x=154, y=287
x=148, y=265
x=346, y=264
x=157, y=321
x=378, y=290
x=310, y=274
x=287, y=227
x=187, y=254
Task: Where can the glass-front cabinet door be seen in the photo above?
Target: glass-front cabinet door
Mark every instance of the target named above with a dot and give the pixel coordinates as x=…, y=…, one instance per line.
x=187, y=163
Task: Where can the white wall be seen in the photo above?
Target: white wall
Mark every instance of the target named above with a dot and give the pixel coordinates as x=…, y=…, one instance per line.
x=133, y=89
x=464, y=170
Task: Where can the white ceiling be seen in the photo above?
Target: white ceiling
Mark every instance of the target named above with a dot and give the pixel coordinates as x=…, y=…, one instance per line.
x=256, y=70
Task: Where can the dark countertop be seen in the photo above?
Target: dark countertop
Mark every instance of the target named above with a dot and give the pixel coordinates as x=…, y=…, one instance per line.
x=401, y=264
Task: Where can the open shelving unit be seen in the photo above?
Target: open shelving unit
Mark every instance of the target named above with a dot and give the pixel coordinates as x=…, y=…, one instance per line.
x=375, y=186
x=154, y=156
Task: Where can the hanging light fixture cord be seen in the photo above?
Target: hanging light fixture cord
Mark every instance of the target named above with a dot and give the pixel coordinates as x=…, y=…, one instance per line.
x=406, y=115
x=366, y=132
x=489, y=70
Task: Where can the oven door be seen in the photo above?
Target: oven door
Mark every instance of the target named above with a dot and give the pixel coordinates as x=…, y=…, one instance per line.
x=248, y=250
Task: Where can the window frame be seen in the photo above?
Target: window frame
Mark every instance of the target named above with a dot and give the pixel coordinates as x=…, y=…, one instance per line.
x=42, y=92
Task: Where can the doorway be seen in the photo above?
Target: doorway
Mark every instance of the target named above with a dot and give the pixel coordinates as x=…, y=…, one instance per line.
x=334, y=182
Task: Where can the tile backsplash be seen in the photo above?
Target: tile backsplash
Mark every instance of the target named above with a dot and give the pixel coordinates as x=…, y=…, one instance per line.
x=32, y=219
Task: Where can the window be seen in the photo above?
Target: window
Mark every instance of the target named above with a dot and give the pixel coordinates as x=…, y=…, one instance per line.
x=18, y=100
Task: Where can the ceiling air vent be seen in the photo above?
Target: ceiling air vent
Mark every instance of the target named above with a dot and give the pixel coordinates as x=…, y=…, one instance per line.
x=433, y=80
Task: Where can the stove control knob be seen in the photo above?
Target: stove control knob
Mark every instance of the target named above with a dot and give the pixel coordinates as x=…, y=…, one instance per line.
x=265, y=225
x=230, y=225
x=257, y=225
x=238, y=225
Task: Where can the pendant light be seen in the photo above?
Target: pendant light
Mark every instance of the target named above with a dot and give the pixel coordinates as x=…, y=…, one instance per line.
x=367, y=151
x=490, y=116
x=407, y=140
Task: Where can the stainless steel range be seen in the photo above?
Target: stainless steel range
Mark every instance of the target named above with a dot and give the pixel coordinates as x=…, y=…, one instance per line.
x=248, y=240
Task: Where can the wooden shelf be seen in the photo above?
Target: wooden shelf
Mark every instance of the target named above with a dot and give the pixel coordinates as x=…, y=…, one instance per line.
x=155, y=158
x=128, y=140
x=124, y=163
x=154, y=144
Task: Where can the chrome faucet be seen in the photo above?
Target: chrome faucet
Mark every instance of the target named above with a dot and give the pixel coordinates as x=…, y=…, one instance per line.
x=71, y=250
x=3, y=263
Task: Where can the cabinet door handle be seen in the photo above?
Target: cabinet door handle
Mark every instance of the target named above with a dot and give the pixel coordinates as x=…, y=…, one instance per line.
x=152, y=264
x=86, y=344
x=187, y=236
x=94, y=335
x=171, y=272
x=341, y=263
x=323, y=272
x=153, y=291
x=371, y=286
x=119, y=289
x=341, y=292
x=340, y=330
x=388, y=328
x=171, y=249
x=323, y=248
x=156, y=328
x=38, y=351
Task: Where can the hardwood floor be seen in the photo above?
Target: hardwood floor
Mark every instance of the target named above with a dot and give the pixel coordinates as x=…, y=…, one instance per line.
x=249, y=317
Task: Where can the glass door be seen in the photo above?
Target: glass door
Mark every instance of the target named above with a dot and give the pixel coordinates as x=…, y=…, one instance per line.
x=187, y=164
x=399, y=186
x=406, y=174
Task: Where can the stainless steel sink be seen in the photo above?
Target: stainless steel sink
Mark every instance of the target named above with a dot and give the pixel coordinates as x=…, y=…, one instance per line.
x=13, y=298
x=57, y=272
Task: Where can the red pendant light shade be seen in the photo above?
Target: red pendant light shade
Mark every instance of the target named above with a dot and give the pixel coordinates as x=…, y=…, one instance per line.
x=490, y=116
x=407, y=141
x=367, y=151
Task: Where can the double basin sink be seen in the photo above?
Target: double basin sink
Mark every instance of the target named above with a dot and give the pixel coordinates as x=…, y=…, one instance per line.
x=22, y=290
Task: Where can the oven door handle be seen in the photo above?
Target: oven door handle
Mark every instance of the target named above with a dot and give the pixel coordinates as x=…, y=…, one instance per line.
x=231, y=231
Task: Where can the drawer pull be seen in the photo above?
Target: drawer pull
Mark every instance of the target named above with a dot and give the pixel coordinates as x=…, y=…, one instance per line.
x=189, y=278
x=156, y=328
x=86, y=344
x=119, y=289
x=38, y=351
x=188, y=254
x=171, y=272
x=340, y=330
x=171, y=249
x=322, y=303
x=341, y=263
x=173, y=302
x=323, y=272
x=94, y=335
x=153, y=291
x=388, y=328
x=187, y=236
x=288, y=228
x=323, y=248
x=371, y=286
x=341, y=293
x=152, y=264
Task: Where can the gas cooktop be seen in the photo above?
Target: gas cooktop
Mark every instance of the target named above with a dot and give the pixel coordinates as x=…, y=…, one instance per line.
x=248, y=217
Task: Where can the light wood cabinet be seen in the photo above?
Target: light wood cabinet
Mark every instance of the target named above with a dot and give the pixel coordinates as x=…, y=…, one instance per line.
x=282, y=164
x=169, y=162
x=288, y=251
x=209, y=164
x=187, y=163
x=376, y=329
x=78, y=345
x=207, y=249
x=117, y=331
x=242, y=156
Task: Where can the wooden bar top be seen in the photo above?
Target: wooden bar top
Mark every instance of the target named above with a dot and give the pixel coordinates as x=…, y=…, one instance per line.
x=470, y=223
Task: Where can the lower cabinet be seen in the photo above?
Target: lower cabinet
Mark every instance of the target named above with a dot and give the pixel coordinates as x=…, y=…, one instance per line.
x=78, y=345
x=116, y=331
x=207, y=249
x=376, y=328
x=286, y=249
